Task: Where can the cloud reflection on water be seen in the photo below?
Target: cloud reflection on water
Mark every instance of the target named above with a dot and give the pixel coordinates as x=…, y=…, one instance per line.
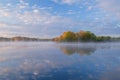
x=35, y=61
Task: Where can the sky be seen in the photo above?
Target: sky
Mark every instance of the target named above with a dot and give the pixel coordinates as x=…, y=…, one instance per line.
x=50, y=18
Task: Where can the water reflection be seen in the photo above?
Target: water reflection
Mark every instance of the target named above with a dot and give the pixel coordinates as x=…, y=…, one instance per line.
x=46, y=61
x=69, y=50
x=82, y=49
x=112, y=74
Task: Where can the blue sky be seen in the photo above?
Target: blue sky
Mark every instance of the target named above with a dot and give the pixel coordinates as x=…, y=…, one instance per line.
x=50, y=18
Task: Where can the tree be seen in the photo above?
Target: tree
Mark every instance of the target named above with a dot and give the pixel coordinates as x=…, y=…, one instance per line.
x=103, y=38
x=68, y=36
x=85, y=36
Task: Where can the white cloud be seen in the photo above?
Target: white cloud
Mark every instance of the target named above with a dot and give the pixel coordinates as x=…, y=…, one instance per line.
x=69, y=2
x=23, y=19
x=110, y=6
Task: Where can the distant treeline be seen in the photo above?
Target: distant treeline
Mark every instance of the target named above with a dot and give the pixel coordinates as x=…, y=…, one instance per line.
x=83, y=36
x=69, y=36
x=19, y=38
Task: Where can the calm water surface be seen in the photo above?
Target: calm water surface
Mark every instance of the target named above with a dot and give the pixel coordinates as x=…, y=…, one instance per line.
x=59, y=61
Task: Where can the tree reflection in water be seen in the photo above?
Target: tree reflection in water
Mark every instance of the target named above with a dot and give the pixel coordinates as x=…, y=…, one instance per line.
x=69, y=50
x=83, y=49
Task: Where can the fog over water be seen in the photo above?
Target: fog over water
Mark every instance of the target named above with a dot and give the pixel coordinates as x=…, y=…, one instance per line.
x=59, y=61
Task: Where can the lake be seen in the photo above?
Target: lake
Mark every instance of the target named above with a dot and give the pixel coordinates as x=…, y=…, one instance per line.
x=59, y=61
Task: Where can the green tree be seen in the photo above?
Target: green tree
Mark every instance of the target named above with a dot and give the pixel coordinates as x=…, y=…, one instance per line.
x=83, y=36
x=68, y=36
x=86, y=36
x=103, y=38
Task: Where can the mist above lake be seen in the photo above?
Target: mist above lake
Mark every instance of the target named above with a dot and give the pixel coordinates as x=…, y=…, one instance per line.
x=59, y=61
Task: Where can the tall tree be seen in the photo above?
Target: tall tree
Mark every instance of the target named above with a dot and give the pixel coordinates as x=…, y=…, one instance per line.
x=68, y=36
